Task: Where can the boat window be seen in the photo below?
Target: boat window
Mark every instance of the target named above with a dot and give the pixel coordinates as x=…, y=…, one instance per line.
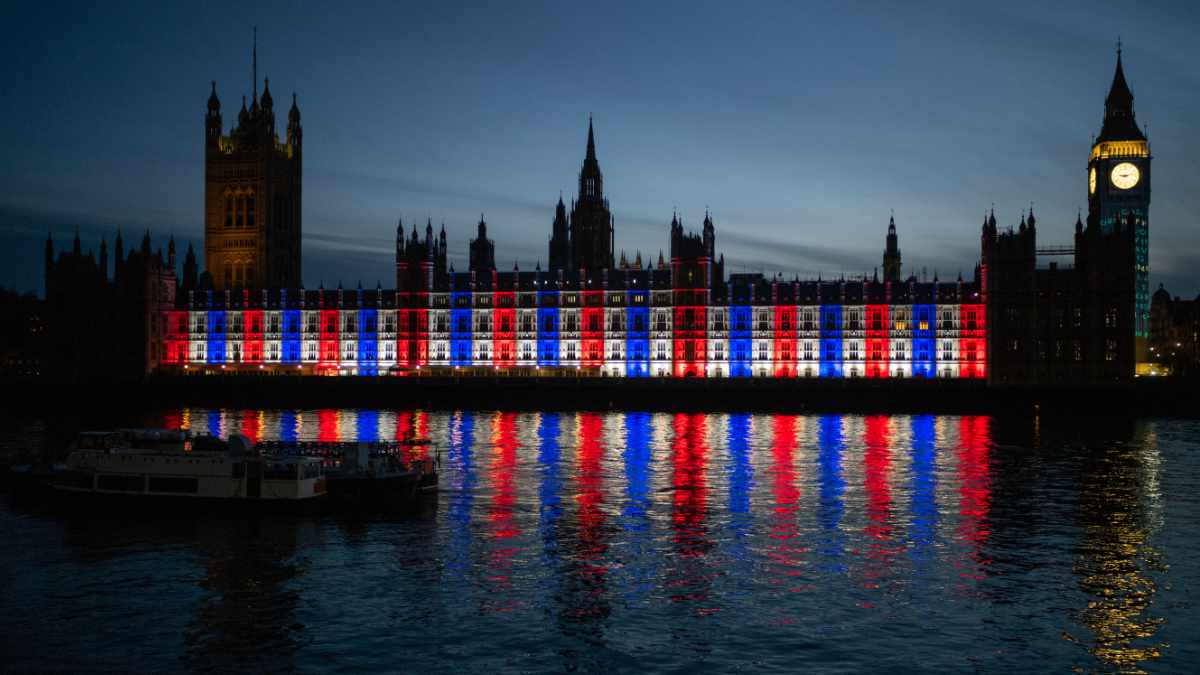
x=312, y=470
x=280, y=472
x=173, y=484
x=122, y=483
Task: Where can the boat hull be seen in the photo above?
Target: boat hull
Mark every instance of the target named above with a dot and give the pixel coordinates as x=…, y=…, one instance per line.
x=76, y=499
x=395, y=491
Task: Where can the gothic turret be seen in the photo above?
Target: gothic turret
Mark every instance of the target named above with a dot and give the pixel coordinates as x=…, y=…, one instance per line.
x=560, y=242
x=710, y=236
x=267, y=109
x=294, y=131
x=483, y=250
x=212, y=120
x=891, y=254
x=190, y=275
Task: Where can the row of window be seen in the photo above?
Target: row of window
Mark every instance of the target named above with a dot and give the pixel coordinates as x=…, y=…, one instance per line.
x=274, y=351
x=483, y=321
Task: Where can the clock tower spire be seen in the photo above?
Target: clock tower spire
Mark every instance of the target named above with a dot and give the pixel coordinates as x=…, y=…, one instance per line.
x=1115, y=248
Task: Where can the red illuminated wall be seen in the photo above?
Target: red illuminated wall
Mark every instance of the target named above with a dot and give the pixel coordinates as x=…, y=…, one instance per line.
x=177, y=337
x=876, y=342
x=592, y=333
x=403, y=334
x=329, y=338
x=504, y=330
x=252, y=342
x=785, y=341
x=412, y=333
x=972, y=342
x=690, y=343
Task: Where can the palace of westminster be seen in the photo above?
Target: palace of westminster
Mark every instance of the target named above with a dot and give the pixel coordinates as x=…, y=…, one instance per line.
x=589, y=313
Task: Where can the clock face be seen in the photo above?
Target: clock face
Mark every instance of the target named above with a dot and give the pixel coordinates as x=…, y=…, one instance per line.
x=1092, y=181
x=1125, y=175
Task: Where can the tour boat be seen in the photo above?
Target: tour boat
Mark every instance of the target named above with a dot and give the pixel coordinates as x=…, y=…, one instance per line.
x=143, y=466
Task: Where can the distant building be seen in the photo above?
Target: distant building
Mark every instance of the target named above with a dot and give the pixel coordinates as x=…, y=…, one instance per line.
x=1174, y=339
x=98, y=324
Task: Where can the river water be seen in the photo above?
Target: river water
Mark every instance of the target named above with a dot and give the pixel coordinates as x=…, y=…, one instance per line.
x=648, y=542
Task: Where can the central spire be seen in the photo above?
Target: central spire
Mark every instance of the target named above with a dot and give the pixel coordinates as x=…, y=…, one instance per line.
x=591, y=144
x=591, y=180
x=254, y=65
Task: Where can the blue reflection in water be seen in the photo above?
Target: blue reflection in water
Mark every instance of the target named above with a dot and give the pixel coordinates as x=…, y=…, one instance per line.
x=741, y=481
x=637, y=471
x=550, y=487
x=214, y=422
x=924, y=491
x=833, y=486
x=367, y=426
x=641, y=564
x=288, y=426
x=462, y=497
x=741, y=472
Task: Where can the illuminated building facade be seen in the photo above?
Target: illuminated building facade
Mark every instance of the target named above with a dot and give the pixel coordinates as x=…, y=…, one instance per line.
x=629, y=323
x=1013, y=322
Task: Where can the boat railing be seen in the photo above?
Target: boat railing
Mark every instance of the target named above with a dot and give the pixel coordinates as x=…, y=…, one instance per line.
x=332, y=452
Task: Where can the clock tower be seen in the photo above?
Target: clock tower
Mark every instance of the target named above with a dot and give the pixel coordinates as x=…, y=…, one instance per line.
x=1116, y=247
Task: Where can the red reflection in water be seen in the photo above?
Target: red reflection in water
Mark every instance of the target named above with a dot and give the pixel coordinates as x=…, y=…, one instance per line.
x=327, y=426
x=251, y=426
x=500, y=513
x=974, y=491
x=504, y=464
x=591, y=573
x=173, y=419
x=410, y=425
x=689, y=463
x=785, y=550
x=421, y=430
x=878, y=465
x=404, y=426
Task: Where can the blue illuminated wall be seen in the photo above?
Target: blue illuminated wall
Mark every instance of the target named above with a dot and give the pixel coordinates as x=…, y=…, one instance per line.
x=637, y=335
x=740, y=344
x=831, y=340
x=368, y=342
x=460, y=329
x=547, y=327
x=290, y=344
x=216, y=336
x=923, y=341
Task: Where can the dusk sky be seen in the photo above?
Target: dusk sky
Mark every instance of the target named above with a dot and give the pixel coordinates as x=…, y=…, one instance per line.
x=801, y=126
